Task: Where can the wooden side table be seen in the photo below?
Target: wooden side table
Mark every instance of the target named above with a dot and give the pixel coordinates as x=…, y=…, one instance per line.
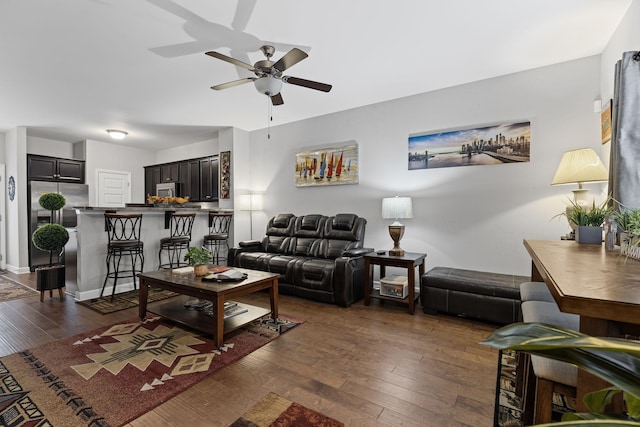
x=409, y=261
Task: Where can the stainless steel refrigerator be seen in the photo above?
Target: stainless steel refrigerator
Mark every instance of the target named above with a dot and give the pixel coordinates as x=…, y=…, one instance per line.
x=75, y=195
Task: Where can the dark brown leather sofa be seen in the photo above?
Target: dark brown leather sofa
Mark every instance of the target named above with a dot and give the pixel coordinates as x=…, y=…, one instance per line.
x=317, y=257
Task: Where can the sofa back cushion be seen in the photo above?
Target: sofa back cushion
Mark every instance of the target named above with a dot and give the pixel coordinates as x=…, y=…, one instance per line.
x=278, y=234
x=342, y=232
x=308, y=231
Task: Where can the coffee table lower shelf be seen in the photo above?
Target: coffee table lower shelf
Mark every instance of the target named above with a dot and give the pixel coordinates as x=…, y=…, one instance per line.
x=198, y=320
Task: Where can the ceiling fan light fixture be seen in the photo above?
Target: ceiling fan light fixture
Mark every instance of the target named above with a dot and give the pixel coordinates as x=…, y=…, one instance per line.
x=268, y=85
x=117, y=134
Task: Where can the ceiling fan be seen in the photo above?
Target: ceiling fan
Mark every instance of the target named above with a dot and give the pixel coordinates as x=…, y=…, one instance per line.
x=269, y=78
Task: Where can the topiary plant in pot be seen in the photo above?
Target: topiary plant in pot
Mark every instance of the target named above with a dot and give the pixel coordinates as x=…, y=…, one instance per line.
x=51, y=238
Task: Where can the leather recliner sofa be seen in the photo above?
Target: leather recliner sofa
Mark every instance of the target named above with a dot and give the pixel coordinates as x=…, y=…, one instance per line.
x=316, y=256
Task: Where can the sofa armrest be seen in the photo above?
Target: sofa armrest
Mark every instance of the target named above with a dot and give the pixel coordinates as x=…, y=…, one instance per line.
x=348, y=280
x=357, y=252
x=250, y=243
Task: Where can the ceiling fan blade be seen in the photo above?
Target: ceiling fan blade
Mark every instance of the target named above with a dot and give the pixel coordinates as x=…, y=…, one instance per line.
x=277, y=99
x=231, y=60
x=233, y=83
x=307, y=83
x=292, y=57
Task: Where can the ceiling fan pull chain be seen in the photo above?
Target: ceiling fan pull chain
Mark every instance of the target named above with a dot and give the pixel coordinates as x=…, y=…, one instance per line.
x=269, y=117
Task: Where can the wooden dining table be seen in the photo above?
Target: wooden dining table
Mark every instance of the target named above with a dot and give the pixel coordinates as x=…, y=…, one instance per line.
x=600, y=285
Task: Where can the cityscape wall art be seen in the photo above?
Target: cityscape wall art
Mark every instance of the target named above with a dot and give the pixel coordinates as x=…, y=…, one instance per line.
x=489, y=145
x=336, y=165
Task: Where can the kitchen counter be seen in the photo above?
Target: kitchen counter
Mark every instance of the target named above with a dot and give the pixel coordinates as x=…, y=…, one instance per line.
x=92, y=244
x=142, y=208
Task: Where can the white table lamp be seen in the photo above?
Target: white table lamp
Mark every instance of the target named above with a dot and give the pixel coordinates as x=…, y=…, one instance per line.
x=578, y=167
x=396, y=208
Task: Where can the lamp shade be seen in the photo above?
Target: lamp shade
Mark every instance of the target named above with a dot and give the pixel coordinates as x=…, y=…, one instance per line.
x=397, y=208
x=578, y=166
x=250, y=202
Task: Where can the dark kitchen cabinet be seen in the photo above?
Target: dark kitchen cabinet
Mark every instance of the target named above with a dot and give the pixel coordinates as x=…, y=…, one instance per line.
x=198, y=178
x=189, y=178
x=45, y=168
x=169, y=172
x=209, y=179
x=151, y=178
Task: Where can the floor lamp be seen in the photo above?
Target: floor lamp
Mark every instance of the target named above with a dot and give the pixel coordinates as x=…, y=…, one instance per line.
x=250, y=203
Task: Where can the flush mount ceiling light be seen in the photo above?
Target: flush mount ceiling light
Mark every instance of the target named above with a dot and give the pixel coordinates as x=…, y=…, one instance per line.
x=117, y=134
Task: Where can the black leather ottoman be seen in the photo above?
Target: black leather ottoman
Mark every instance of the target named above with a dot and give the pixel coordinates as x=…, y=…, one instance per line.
x=491, y=297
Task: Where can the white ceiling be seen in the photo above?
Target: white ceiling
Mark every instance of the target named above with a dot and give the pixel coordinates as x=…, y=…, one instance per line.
x=71, y=69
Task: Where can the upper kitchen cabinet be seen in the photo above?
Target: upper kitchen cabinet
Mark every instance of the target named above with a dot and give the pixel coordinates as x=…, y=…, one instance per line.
x=198, y=178
x=45, y=168
x=151, y=178
x=169, y=172
x=209, y=179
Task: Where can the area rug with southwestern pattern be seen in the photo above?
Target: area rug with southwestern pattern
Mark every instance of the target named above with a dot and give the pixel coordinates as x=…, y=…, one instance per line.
x=276, y=411
x=112, y=375
x=10, y=290
x=124, y=300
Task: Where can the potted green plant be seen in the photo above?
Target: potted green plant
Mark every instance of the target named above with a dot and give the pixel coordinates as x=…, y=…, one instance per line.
x=51, y=238
x=614, y=360
x=199, y=258
x=628, y=221
x=588, y=220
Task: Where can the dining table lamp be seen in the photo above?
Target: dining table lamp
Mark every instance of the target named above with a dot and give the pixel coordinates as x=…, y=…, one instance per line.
x=578, y=167
x=396, y=208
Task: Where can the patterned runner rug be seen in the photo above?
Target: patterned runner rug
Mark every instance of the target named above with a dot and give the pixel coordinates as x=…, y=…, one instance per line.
x=112, y=375
x=11, y=290
x=276, y=411
x=124, y=300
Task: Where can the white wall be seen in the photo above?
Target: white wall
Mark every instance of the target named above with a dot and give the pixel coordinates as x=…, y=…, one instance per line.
x=189, y=151
x=625, y=38
x=16, y=210
x=116, y=157
x=468, y=217
x=2, y=149
x=49, y=147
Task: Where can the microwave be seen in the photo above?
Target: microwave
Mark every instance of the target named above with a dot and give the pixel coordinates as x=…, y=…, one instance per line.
x=168, y=189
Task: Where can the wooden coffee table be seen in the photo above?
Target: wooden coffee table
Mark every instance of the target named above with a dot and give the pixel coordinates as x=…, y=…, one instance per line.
x=217, y=293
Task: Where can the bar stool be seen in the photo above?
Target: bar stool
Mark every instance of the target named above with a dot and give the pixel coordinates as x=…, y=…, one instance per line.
x=180, y=225
x=123, y=232
x=217, y=241
x=550, y=375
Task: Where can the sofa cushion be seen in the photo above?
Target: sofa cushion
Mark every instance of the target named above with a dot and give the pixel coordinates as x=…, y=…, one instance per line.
x=314, y=273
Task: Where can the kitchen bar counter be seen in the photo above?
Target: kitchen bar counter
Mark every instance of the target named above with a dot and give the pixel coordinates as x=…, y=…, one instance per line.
x=92, y=244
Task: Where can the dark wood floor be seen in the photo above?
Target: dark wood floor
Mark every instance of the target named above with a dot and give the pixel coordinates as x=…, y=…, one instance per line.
x=365, y=366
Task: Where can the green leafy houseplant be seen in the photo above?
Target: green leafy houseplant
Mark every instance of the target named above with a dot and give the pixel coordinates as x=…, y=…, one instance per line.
x=612, y=359
x=628, y=221
x=593, y=216
x=199, y=258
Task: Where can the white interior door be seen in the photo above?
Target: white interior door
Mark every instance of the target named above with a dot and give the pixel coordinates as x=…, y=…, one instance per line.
x=114, y=188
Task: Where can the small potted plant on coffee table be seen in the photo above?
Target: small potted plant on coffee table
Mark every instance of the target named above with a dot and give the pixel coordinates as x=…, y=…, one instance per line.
x=51, y=238
x=199, y=258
